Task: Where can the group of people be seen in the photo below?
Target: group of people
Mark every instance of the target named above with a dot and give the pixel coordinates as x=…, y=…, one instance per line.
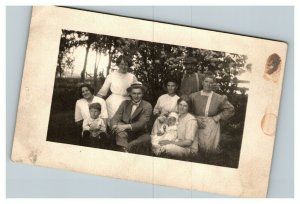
x=187, y=116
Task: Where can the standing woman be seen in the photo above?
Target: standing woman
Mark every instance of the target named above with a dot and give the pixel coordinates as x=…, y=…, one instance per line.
x=117, y=82
x=209, y=108
x=166, y=103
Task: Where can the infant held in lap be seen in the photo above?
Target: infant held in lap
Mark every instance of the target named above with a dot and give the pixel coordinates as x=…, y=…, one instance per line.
x=168, y=131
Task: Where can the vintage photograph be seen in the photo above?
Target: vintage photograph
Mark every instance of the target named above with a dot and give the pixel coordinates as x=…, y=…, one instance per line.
x=139, y=98
x=148, y=98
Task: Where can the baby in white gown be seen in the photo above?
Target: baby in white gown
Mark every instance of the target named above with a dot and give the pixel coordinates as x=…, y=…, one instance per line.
x=168, y=131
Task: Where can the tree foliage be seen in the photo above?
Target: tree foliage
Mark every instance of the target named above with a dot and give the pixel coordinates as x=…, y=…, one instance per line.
x=152, y=62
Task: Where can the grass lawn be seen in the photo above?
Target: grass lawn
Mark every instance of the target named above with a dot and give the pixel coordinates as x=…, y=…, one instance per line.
x=62, y=129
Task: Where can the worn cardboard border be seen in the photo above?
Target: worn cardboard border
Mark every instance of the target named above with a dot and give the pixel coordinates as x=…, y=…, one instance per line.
x=250, y=179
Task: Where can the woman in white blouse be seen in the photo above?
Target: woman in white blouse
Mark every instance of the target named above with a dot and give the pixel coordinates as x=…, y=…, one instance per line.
x=165, y=104
x=82, y=105
x=117, y=82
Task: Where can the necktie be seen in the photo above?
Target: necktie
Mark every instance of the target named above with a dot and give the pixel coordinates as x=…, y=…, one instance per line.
x=134, y=106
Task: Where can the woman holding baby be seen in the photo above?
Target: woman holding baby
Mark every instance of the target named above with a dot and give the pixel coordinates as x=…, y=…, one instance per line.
x=185, y=143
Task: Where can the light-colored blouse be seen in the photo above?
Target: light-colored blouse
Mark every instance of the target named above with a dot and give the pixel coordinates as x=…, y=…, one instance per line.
x=187, y=127
x=186, y=130
x=82, y=108
x=117, y=83
x=166, y=103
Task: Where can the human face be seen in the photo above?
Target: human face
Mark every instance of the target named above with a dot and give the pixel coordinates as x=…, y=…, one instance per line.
x=171, y=87
x=183, y=107
x=123, y=67
x=171, y=121
x=94, y=113
x=136, y=94
x=208, y=84
x=86, y=93
x=189, y=68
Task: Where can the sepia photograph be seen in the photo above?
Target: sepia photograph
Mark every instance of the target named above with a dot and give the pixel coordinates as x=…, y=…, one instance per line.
x=140, y=98
x=149, y=98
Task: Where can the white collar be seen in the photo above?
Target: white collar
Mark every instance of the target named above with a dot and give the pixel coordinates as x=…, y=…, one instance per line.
x=136, y=104
x=206, y=94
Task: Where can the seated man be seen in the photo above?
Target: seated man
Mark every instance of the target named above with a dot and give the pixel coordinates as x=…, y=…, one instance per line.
x=129, y=124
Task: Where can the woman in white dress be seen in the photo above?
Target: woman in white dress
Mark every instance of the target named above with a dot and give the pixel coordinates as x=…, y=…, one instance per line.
x=117, y=82
x=166, y=104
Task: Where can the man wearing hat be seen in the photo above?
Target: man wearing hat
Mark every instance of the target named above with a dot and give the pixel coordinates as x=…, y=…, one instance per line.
x=191, y=81
x=129, y=124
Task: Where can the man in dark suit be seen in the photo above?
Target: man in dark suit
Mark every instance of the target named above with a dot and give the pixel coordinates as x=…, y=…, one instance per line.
x=192, y=79
x=129, y=124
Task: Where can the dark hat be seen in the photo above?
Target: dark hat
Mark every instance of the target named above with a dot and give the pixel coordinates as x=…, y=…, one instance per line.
x=136, y=84
x=189, y=60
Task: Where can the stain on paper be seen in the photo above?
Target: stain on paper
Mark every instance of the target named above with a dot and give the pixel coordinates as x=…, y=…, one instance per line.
x=272, y=68
x=268, y=124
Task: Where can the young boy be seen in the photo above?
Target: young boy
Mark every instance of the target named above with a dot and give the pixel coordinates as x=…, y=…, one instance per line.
x=93, y=128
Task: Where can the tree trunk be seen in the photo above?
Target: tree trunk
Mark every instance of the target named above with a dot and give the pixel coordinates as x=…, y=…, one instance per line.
x=96, y=68
x=109, y=62
x=85, y=62
x=59, y=70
